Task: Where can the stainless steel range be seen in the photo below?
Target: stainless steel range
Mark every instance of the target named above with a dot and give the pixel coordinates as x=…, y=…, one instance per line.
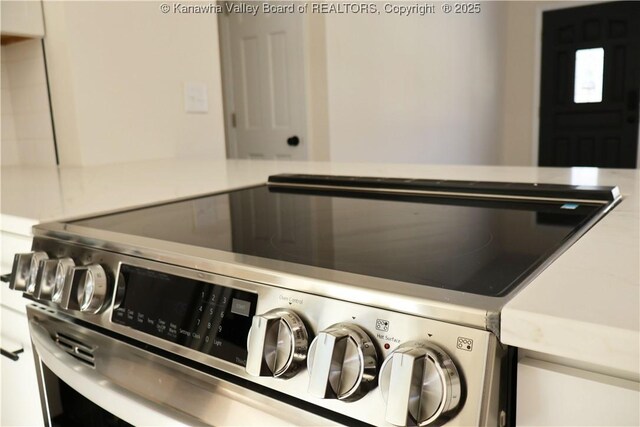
x=308, y=300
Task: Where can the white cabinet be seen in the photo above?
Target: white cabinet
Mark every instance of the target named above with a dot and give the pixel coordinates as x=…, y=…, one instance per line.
x=22, y=18
x=20, y=397
x=20, y=400
x=27, y=132
x=552, y=394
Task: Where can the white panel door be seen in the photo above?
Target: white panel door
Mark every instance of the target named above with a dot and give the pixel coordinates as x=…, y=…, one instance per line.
x=267, y=73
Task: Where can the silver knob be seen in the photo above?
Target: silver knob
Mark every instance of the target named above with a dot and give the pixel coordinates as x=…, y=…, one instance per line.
x=50, y=278
x=36, y=259
x=91, y=288
x=25, y=270
x=420, y=384
x=342, y=363
x=45, y=279
x=63, y=267
x=277, y=344
x=85, y=289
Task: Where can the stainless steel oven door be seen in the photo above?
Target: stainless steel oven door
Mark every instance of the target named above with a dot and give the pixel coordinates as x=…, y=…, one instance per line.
x=132, y=385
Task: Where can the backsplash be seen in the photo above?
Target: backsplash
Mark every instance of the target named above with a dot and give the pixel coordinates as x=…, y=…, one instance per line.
x=27, y=133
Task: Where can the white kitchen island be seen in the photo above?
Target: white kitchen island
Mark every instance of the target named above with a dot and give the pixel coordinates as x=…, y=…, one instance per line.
x=577, y=324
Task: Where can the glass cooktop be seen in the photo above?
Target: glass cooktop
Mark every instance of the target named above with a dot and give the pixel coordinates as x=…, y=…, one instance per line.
x=480, y=246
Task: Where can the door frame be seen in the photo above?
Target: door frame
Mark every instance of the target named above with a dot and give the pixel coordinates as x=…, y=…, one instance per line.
x=537, y=75
x=228, y=100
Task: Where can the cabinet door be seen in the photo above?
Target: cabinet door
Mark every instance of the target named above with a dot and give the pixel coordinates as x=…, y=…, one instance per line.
x=20, y=404
x=22, y=18
x=550, y=394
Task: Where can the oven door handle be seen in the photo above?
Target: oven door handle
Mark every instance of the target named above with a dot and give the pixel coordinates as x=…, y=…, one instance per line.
x=99, y=389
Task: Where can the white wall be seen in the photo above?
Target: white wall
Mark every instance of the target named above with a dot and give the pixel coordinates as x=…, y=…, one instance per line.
x=316, y=87
x=416, y=89
x=117, y=70
x=520, y=90
x=27, y=135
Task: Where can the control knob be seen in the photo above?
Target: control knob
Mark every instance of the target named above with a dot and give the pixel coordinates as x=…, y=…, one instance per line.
x=50, y=278
x=85, y=288
x=277, y=344
x=63, y=268
x=24, y=271
x=342, y=363
x=420, y=384
x=92, y=288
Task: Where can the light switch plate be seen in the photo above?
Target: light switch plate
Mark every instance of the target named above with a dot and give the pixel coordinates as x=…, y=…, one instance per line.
x=195, y=97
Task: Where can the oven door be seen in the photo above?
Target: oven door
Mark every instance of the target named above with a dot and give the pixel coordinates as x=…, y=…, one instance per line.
x=88, y=378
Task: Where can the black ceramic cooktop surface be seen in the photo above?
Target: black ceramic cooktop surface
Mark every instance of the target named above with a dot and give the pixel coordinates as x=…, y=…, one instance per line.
x=468, y=245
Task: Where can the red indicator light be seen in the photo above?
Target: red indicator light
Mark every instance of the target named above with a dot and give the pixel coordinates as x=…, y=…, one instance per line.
x=386, y=346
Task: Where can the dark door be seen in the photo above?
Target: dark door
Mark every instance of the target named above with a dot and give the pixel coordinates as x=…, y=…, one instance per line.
x=589, y=86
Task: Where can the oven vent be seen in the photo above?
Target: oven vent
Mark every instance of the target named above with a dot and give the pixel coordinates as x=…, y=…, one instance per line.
x=76, y=348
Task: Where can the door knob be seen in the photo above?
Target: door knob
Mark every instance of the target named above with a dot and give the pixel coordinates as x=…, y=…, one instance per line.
x=293, y=141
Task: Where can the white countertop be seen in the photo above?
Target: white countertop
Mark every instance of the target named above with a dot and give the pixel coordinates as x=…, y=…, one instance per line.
x=585, y=306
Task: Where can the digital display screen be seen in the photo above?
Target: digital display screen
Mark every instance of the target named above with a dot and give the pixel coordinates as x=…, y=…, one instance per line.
x=203, y=316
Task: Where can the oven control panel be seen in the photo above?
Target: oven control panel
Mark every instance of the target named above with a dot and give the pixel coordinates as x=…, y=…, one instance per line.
x=206, y=317
x=374, y=365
